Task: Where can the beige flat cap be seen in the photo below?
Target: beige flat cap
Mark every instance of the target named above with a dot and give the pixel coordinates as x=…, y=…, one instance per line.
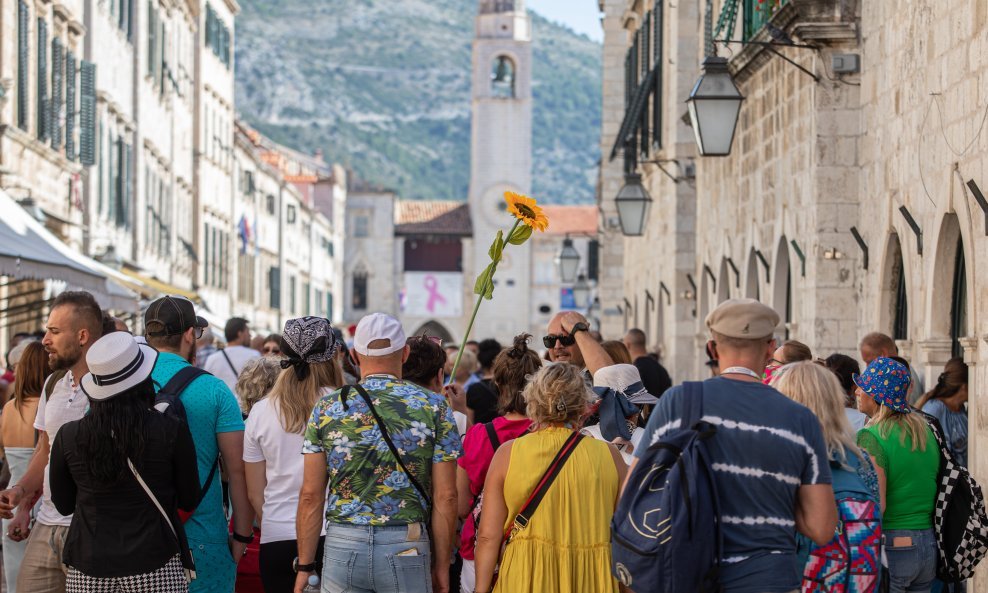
x=743, y=318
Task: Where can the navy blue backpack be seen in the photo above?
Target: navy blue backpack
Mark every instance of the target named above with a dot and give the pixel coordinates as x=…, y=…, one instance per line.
x=665, y=534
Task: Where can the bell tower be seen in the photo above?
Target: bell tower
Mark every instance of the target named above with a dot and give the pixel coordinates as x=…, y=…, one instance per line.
x=501, y=157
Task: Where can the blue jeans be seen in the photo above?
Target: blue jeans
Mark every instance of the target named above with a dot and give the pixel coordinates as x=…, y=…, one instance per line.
x=365, y=559
x=912, y=568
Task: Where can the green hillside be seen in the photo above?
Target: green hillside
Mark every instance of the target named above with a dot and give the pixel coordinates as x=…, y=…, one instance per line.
x=384, y=87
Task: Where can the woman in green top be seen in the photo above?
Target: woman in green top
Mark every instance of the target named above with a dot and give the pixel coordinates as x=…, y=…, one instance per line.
x=907, y=460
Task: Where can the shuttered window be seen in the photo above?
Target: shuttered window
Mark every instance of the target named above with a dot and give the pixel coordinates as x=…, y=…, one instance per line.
x=57, y=92
x=87, y=114
x=70, y=112
x=658, y=17
x=23, y=61
x=274, y=287
x=44, y=112
x=593, y=260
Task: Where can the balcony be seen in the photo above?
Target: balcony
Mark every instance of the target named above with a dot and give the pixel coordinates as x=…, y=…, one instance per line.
x=758, y=12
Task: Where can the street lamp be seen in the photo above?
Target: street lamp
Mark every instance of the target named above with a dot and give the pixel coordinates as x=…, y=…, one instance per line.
x=568, y=261
x=581, y=292
x=714, y=105
x=632, y=205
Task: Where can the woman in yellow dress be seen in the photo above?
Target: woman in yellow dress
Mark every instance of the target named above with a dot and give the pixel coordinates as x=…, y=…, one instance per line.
x=566, y=545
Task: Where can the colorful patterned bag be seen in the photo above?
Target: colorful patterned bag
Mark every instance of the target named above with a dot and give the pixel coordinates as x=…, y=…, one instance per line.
x=851, y=561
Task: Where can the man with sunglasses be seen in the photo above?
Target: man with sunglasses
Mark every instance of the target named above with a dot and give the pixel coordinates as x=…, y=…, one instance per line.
x=217, y=426
x=561, y=341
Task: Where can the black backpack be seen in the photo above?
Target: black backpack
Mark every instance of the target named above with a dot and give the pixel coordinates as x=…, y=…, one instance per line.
x=167, y=401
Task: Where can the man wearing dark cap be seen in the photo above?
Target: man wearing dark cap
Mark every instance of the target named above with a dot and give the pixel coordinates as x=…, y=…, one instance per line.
x=770, y=462
x=172, y=327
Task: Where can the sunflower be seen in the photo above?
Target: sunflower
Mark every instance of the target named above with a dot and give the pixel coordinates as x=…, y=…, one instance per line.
x=526, y=210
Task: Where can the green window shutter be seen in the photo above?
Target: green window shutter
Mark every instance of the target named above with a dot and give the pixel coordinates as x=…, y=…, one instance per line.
x=87, y=114
x=44, y=113
x=57, y=97
x=658, y=18
x=23, y=61
x=121, y=185
x=162, y=48
x=70, y=114
x=152, y=41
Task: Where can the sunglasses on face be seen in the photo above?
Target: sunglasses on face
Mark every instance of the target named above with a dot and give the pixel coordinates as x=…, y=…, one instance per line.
x=564, y=340
x=272, y=350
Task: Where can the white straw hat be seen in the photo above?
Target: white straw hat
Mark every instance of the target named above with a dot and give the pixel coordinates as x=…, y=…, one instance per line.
x=116, y=363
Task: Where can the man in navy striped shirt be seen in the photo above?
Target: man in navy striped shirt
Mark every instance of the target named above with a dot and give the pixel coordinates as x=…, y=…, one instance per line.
x=769, y=459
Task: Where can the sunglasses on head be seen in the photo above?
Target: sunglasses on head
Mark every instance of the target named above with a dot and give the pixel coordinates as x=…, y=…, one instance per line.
x=434, y=339
x=564, y=340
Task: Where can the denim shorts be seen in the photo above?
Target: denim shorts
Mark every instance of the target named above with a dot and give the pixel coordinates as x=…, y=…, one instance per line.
x=365, y=559
x=912, y=568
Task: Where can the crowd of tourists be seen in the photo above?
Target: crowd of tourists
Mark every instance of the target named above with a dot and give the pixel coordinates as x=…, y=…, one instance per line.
x=373, y=462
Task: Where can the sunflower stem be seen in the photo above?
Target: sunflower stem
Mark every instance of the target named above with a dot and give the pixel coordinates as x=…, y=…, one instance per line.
x=476, y=307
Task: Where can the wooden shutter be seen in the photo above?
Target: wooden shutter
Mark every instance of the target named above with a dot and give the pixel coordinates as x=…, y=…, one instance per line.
x=593, y=259
x=162, y=48
x=44, y=113
x=57, y=97
x=658, y=18
x=87, y=114
x=23, y=61
x=152, y=39
x=70, y=113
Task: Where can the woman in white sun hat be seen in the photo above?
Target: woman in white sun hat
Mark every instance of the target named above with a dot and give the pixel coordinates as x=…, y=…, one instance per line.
x=119, y=539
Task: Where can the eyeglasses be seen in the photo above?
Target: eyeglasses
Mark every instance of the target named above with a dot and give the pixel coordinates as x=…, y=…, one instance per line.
x=272, y=350
x=564, y=340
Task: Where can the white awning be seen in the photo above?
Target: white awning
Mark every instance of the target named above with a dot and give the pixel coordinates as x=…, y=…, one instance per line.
x=29, y=250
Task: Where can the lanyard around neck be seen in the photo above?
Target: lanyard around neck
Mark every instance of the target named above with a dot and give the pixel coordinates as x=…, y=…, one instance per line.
x=741, y=371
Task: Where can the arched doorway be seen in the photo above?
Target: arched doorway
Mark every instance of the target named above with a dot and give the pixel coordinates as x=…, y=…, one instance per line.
x=434, y=328
x=782, y=285
x=752, y=288
x=949, y=298
x=894, y=316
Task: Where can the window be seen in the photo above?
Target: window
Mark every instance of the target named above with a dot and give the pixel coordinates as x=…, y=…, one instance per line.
x=274, y=287
x=270, y=204
x=245, y=277
x=292, y=294
x=23, y=61
x=44, y=111
x=291, y=214
x=900, y=327
x=306, y=299
x=361, y=226
x=958, y=306
x=320, y=312
x=218, y=36
x=593, y=260
x=503, y=77
x=359, y=290
x=87, y=114
x=57, y=92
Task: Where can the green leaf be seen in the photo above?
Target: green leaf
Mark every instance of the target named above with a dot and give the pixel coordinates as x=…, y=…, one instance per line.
x=497, y=247
x=520, y=234
x=482, y=280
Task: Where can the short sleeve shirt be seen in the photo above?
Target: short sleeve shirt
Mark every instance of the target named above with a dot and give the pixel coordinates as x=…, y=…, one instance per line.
x=67, y=403
x=210, y=409
x=766, y=447
x=366, y=484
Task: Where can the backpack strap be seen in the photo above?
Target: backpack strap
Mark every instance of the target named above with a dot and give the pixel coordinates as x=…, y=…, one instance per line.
x=53, y=380
x=532, y=504
x=174, y=387
x=180, y=380
x=387, y=438
x=492, y=435
x=692, y=404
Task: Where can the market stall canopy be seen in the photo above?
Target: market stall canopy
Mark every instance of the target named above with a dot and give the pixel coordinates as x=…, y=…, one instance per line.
x=29, y=250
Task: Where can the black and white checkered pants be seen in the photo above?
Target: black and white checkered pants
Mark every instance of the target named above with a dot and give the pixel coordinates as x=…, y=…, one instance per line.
x=170, y=578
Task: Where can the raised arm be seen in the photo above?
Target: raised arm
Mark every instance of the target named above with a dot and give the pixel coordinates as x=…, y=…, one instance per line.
x=309, y=517
x=594, y=355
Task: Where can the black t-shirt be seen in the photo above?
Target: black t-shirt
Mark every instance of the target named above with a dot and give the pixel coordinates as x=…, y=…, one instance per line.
x=482, y=399
x=654, y=376
x=116, y=530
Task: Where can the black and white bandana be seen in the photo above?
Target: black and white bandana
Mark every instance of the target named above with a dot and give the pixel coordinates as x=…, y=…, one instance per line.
x=305, y=341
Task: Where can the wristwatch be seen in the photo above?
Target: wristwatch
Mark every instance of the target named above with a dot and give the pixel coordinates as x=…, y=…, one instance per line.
x=579, y=327
x=310, y=567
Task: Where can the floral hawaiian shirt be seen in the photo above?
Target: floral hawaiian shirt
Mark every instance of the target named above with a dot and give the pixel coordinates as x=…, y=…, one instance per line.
x=366, y=484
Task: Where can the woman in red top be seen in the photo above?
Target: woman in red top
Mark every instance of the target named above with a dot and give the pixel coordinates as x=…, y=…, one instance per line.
x=511, y=370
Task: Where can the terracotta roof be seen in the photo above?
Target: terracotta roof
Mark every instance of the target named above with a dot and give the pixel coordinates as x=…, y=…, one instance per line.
x=571, y=219
x=415, y=217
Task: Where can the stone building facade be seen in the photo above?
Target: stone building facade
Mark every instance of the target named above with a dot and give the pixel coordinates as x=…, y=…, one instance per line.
x=852, y=201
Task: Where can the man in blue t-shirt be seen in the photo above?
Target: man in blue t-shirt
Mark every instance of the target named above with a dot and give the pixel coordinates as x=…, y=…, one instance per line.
x=217, y=427
x=768, y=455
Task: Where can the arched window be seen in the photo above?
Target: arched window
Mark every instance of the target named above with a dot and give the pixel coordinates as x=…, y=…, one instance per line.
x=503, y=77
x=958, y=302
x=900, y=326
x=782, y=285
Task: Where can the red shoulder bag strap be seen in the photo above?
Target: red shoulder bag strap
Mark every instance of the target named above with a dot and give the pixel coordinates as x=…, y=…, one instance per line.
x=530, y=506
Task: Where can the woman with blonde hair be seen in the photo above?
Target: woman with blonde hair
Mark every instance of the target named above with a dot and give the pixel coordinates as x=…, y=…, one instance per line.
x=853, y=473
x=566, y=543
x=256, y=380
x=273, y=442
x=907, y=460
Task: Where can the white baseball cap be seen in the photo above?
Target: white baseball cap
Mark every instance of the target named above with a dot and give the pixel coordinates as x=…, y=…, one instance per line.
x=378, y=326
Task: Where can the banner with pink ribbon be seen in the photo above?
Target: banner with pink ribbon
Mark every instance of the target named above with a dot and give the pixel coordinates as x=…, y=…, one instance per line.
x=433, y=294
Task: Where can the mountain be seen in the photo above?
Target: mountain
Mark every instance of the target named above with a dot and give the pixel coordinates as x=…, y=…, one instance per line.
x=383, y=86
